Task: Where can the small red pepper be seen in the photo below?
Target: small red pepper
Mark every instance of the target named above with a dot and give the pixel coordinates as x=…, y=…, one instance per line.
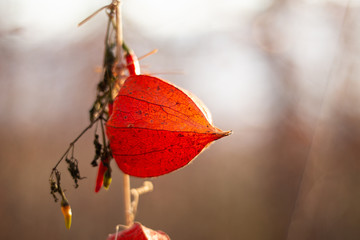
x=66, y=211
x=132, y=61
x=100, y=176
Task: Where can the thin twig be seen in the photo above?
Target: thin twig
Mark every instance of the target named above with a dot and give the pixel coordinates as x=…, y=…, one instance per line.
x=148, y=54
x=119, y=37
x=129, y=217
x=92, y=15
x=103, y=133
x=136, y=192
x=71, y=145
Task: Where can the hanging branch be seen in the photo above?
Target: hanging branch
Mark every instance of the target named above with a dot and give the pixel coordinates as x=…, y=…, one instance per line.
x=72, y=144
x=99, y=111
x=115, y=71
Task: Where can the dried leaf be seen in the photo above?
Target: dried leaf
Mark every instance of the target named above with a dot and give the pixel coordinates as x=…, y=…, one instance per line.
x=157, y=128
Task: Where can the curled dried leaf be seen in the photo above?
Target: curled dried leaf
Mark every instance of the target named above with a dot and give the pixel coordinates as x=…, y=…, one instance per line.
x=73, y=168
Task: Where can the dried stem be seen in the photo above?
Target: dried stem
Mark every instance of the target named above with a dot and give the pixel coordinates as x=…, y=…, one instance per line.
x=119, y=37
x=136, y=192
x=92, y=15
x=129, y=217
x=120, y=68
x=71, y=145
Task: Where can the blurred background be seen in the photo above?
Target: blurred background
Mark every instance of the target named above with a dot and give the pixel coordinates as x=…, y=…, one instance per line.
x=282, y=74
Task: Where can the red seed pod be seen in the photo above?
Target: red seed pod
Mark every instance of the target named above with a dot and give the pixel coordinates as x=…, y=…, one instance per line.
x=139, y=232
x=157, y=128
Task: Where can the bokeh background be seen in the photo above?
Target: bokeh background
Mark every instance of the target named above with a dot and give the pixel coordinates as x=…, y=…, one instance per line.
x=282, y=74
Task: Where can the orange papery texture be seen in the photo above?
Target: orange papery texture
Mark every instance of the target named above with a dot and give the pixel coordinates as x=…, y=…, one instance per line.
x=156, y=127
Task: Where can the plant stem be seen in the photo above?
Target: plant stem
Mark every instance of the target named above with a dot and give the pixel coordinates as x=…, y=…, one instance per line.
x=76, y=139
x=127, y=201
x=120, y=67
x=119, y=37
